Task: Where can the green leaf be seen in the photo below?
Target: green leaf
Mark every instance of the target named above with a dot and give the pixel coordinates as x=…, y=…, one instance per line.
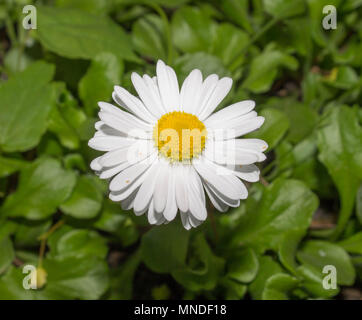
x=284, y=8
x=148, y=37
x=25, y=102
x=43, y=186
x=77, y=243
x=278, y=286
x=166, y=3
x=204, y=269
x=352, y=244
x=359, y=204
x=316, y=17
x=229, y=43
x=60, y=127
x=164, y=256
x=302, y=116
x=97, y=84
x=340, y=150
x=86, y=200
x=74, y=160
x=243, y=265
x=122, y=278
x=92, y=6
x=28, y=232
x=234, y=290
x=208, y=64
x=268, y=268
x=7, y=228
x=288, y=249
x=117, y=222
x=10, y=165
x=11, y=285
x=312, y=280
x=285, y=204
x=75, y=278
x=297, y=35
x=317, y=254
x=65, y=119
x=343, y=77
x=74, y=34
x=274, y=128
x=237, y=11
x=7, y=254
x=192, y=30
x=264, y=69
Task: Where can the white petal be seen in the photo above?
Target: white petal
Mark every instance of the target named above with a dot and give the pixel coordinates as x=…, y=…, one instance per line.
x=215, y=200
x=133, y=104
x=162, y=221
x=249, y=126
x=181, y=177
x=254, y=144
x=194, y=222
x=109, y=172
x=148, y=94
x=232, y=124
x=231, y=112
x=106, y=130
x=226, y=184
x=95, y=165
x=140, y=150
x=155, y=93
x=171, y=208
x=207, y=89
x=223, y=197
x=127, y=203
x=168, y=86
x=126, y=125
x=129, y=175
x=248, y=173
x=190, y=92
x=122, y=195
x=196, y=207
x=185, y=220
x=145, y=192
x=98, y=125
x=225, y=152
x=153, y=216
x=160, y=192
x=219, y=93
x=108, y=143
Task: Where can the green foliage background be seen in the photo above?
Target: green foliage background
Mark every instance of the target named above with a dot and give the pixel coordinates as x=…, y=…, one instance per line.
x=306, y=213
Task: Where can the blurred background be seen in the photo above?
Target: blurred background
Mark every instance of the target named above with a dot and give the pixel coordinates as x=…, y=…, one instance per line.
x=300, y=65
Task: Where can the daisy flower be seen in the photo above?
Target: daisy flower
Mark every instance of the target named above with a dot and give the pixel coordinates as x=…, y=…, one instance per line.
x=166, y=147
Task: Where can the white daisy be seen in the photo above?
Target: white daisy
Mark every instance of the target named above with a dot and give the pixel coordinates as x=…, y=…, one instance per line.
x=154, y=165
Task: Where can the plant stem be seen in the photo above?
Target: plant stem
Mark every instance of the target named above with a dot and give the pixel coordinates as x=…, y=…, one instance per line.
x=44, y=237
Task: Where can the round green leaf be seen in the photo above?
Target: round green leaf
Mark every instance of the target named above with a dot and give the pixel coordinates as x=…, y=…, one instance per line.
x=43, y=186
x=318, y=254
x=86, y=199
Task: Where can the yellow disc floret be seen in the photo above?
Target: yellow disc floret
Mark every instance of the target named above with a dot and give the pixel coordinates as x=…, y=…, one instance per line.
x=180, y=136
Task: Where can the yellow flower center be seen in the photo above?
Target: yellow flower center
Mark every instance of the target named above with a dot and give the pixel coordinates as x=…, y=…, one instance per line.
x=179, y=136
